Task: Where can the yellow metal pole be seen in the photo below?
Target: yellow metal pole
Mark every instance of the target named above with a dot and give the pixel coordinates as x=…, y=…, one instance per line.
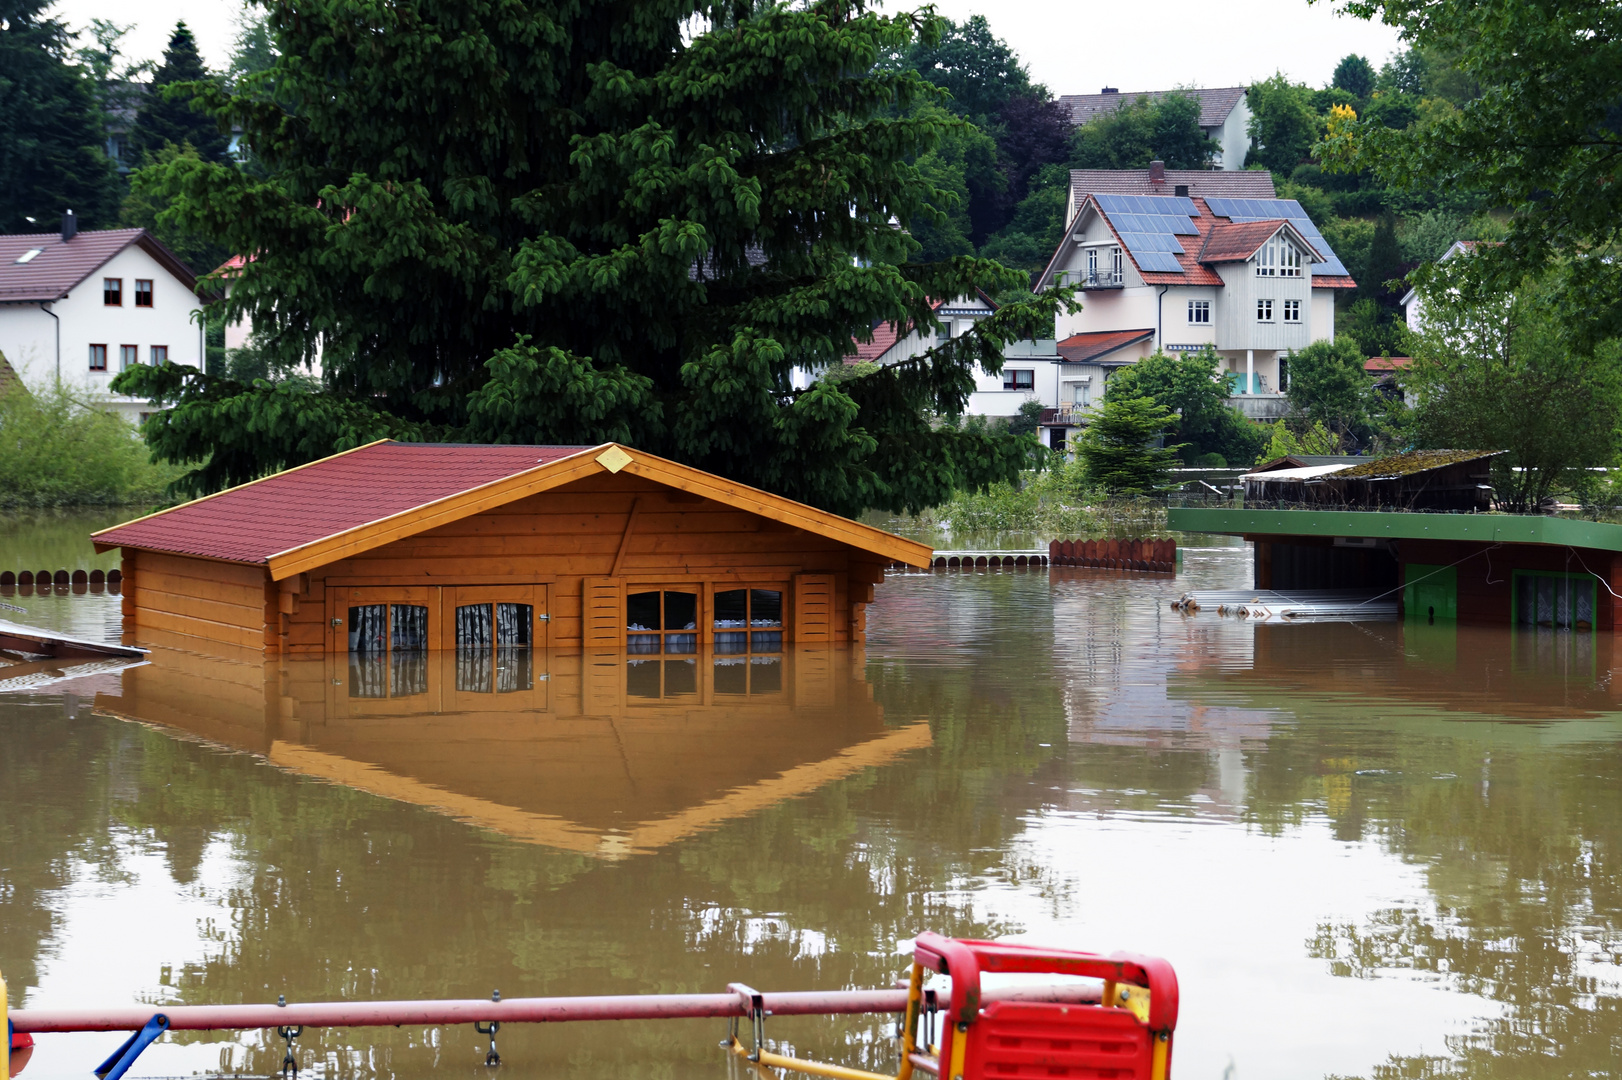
x=815, y=1068
x=5, y=1029
x=909, y=1023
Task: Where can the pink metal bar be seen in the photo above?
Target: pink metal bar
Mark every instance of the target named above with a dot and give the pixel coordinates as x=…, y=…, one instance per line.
x=508, y=1010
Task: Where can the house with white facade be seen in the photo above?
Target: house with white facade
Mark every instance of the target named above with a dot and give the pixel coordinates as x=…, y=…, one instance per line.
x=1186, y=268
x=1413, y=305
x=1224, y=115
x=79, y=307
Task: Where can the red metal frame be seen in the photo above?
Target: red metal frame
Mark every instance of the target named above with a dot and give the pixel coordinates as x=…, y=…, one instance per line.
x=984, y=1036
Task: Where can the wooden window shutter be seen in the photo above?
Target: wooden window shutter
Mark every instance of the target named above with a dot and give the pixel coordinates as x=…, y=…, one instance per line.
x=602, y=613
x=814, y=608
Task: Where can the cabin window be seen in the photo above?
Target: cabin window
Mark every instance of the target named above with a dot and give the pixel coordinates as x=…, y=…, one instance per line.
x=661, y=621
x=499, y=626
x=1554, y=600
x=749, y=621
x=375, y=628
x=112, y=291
x=143, y=292
x=388, y=650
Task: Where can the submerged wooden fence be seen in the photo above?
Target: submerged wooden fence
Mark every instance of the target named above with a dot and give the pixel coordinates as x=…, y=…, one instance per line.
x=1151, y=556
x=64, y=580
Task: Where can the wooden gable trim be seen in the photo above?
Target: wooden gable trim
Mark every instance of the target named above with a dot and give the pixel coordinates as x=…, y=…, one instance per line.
x=578, y=466
x=776, y=507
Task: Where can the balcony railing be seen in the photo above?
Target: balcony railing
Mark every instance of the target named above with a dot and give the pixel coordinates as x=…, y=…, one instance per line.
x=1099, y=279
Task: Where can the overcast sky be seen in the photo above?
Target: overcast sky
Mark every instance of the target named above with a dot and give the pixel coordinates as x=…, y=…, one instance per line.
x=1074, y=46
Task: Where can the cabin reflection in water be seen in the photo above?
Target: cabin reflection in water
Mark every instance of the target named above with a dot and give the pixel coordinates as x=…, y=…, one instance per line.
x=1521, y=672
x=603, y=752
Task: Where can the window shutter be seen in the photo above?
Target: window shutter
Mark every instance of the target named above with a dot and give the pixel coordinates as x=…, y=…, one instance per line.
x=814, y=608
x=602, y=613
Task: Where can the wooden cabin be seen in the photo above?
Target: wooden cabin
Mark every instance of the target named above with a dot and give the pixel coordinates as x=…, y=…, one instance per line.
x=408, y=547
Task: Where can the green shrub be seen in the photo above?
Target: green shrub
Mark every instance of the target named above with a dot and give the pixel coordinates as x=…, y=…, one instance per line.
x=57, y=449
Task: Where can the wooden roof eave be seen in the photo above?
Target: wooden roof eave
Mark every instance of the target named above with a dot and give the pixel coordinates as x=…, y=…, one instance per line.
x=579, y=466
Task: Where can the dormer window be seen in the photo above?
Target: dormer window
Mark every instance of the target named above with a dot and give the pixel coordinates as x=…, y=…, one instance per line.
x=1278, y=258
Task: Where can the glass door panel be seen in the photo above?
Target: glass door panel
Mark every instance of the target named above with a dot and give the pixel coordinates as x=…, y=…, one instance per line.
x=495, y=640
x=385, y=633
x=661, y=621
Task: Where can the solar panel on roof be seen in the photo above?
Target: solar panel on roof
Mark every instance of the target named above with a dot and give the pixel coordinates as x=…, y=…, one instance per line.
x=1242, y=210
x=1149, y=226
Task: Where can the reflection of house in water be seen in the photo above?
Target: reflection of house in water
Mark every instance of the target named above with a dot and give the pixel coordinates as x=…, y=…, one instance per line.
x=601, y=753
x=1531, y=673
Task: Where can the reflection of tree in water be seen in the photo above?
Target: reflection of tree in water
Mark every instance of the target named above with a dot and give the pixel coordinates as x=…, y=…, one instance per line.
x=1522, y=846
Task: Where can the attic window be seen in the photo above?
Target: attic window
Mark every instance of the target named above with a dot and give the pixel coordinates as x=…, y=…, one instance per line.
x=1278, y=258
x=28, y=256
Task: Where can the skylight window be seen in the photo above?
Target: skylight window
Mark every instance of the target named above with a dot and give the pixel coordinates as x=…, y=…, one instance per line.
x=28, y=256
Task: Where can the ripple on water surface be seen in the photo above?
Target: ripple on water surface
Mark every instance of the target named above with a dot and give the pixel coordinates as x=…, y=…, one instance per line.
x=1369, y=850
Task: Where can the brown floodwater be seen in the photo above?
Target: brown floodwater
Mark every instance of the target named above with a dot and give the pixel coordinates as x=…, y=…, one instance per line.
x=1370, y=850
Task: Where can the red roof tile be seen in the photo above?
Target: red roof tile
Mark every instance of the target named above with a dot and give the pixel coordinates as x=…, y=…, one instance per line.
x=60, y=266
x=1376, y=364
x=1236, y=241
x=1206, y=183
x=249, y=524
x=1080, y=348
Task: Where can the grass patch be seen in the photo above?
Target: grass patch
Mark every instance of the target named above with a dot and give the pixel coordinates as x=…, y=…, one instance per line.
x=1056, y=503
x=60, y=449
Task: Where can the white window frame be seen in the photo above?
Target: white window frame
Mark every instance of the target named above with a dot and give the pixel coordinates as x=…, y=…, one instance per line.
x=1199, y=312
x=1117, y=266
x=1278, y=258
x=1292, y=311
x=1092, y=264
x=1264, y=311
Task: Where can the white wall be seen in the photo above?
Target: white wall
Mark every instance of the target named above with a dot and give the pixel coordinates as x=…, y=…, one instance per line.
x=1323, y=314
x=28, y=334
x=1234, y=137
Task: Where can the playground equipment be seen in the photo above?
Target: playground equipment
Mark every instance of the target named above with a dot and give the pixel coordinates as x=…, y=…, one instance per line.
x=1119, y=1016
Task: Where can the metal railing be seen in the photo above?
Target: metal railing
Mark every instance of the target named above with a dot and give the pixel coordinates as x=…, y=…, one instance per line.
x=1099, y=279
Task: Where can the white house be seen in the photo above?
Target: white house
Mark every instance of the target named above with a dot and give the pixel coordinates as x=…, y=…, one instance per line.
x=80, y=307
x=1190, y=268
x=1224, y=115
x=1413, y=305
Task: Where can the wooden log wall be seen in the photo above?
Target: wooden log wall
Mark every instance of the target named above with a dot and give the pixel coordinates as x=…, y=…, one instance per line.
x=1149, y=556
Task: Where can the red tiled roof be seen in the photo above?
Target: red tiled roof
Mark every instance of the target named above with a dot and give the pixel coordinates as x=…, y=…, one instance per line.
x=1376, y=364
x=60, y=266
x=1080, y=348
x=1207, y=183
x=1215, y=104
x=250, y=523
x=1236, y=241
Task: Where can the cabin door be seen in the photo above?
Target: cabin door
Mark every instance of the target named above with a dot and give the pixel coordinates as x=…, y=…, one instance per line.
x=386, y=634
x=494, y=640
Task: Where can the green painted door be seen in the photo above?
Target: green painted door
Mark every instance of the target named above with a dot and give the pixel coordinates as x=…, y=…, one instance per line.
x=1430, y=592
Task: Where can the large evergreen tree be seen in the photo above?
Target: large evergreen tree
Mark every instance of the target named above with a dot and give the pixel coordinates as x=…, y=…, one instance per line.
x=51, y=140
x=168, y=117
x=534, y=221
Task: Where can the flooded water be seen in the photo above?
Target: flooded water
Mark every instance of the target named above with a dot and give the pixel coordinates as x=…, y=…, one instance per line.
x=1369, y=850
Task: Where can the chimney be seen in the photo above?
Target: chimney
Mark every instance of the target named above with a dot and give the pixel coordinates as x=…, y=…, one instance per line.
x=1157, y=171
x=70, y=226
x=1109, y=90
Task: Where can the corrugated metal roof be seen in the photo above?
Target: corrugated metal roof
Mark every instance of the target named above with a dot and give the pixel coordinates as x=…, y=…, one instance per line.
x=249, y=524
x=60, y=266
